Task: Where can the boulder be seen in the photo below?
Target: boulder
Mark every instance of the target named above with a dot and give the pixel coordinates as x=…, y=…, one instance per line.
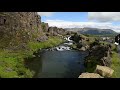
x=54, y=31
x=90, y=75
x=42, y=38
x=83, y=48
x=104, y=71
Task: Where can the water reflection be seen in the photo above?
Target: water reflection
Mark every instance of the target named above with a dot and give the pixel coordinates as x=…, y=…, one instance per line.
x=55, y=64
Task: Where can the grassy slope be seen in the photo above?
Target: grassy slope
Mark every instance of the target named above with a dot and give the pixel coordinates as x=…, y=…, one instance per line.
x=115, y=65
x=12, y=63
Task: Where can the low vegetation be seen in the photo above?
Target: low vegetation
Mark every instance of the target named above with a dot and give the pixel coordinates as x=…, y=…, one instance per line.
x=12, y=62
x=53, y=41
x=115, y=65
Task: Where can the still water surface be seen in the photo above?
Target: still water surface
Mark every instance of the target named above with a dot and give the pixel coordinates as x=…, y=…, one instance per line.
x=58, y=64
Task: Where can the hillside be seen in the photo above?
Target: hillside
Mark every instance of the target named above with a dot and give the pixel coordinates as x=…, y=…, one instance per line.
x=92, y=31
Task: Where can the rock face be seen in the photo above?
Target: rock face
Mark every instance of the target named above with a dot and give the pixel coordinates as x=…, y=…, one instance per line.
x=76, y=38
x=54, y=31
x=90, y=75
x=98, y=55
x=104, y=71
x=19, y=27
x=101, y=53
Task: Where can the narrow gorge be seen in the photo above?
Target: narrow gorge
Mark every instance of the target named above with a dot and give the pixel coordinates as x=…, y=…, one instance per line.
x=30, y=48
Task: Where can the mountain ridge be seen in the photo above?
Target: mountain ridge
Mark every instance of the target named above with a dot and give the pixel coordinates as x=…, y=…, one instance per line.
x=92, y=31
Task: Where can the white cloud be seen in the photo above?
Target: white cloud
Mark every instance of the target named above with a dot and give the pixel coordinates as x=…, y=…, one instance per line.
x=45, y=13
x=104, y=16
x=70, y=24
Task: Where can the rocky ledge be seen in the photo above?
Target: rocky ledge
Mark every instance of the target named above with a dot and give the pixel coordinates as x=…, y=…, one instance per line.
x=100, y=72
x=90, y=75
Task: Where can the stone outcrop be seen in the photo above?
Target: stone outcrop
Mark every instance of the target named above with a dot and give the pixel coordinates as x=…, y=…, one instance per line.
x=104, y=71
x=54, y=31
x=76, y=38
x=98, y=55
x=43, y=38
x=90, y=75
x=101, y=54
x=100, y=72
x=81, y=41
x=19, y=27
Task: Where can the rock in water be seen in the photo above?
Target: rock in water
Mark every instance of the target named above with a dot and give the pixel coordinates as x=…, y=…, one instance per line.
x=90, y=75
x=104, y=71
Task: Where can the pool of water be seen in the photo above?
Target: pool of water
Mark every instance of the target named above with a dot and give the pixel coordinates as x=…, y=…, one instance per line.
x=58, y=64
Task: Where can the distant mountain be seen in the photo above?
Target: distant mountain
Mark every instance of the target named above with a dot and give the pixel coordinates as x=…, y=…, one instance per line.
x=92, y=31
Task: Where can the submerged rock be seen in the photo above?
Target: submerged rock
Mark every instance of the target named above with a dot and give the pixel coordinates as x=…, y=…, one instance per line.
x=90, y=75
x=104, y=71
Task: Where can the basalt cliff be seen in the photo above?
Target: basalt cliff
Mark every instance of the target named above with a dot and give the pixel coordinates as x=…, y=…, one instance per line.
x=18, y=28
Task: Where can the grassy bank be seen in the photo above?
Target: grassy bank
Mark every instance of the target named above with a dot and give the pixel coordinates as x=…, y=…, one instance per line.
x=51, y=42
x=12, y=62
x=115, y=65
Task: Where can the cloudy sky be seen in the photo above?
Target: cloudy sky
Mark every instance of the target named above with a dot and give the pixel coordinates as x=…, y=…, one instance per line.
x=104, y=20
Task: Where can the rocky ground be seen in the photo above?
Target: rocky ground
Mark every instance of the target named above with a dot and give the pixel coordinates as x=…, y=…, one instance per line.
x=99, y=60
x=22, y=34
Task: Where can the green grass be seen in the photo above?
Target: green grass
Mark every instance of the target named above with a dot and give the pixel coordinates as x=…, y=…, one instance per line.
x=12, y=65
x=115, y=65
x=51, y=42
x=12, y=62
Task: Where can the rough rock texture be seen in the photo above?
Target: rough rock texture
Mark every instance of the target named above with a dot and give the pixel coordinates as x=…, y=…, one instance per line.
x=90, y=75
x=54, y=31
x=41, y=39
x=101, y=54
x=19, y=27
x=76, y=38
x=98, y=55
x=104, y=71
